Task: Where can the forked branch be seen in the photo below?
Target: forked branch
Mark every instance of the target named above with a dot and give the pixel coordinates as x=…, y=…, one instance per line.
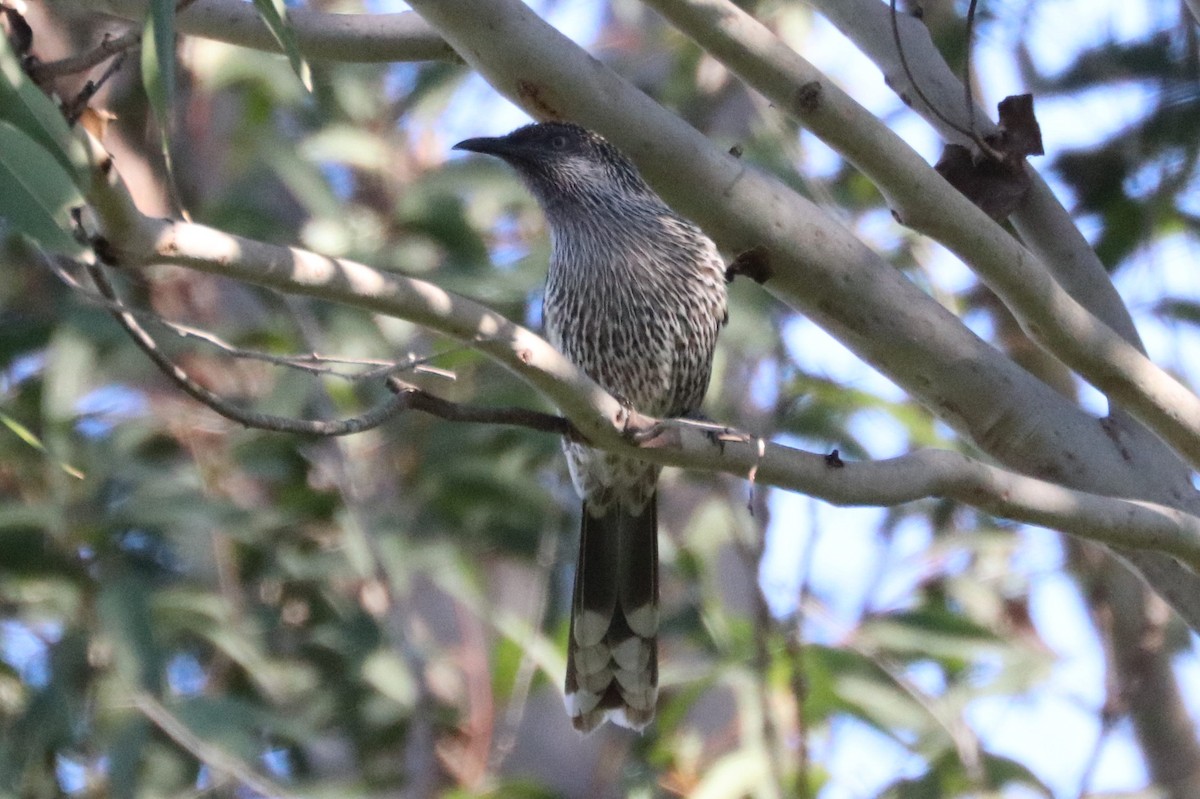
x=133, y=240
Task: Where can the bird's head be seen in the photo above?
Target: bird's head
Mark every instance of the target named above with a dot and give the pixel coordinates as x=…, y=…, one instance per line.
x=563, y=163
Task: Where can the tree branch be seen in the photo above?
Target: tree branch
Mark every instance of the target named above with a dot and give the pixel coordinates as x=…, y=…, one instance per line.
x=420, y=400
x=262, y=421
x=334, y=37
x=925, y=202
x=406, y=397
x=134, y=240
x=817, y=266
x=311, y=363
x=1042, y=222
x=1158, y=713
x=1040, y=219
x=109, y=46
x=225, y=764
x=822, y=270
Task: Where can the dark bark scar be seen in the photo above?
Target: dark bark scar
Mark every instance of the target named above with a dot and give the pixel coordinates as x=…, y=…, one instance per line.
x=531, y=94
x=808, y=97
x=754, y=263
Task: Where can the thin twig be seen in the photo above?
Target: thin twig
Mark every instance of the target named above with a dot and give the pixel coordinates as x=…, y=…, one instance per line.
x=405, y=397
x=518, y=699
x=1108, y=721
x=312, y=363
x=1116, y=679
x=966, y=742
x=74, y=110
x=419, y=400
x=372, y=418
x=968, y=91
x=208, y=754
x=912, y=79
x=108, y=47
x=750, y=553
x=795, y=647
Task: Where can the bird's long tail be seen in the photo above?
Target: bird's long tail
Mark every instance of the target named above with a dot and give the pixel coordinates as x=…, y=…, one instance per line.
x=612, y=657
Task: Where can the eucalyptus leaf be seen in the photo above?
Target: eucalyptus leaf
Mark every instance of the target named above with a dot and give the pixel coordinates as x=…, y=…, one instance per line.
x=29, y=110
x=929, y=633
x=38, y=192
x=125, y=757
x=158, y=59
x=158, y=73
x=25, y=434
x=274, y=15
x=125, y=613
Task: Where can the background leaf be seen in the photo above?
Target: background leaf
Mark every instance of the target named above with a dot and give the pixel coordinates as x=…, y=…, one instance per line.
x=39, y=194
x=274, y=14
x=29, y=110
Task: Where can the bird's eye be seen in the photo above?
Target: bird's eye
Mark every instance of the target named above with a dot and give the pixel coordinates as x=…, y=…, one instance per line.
x=558, y=142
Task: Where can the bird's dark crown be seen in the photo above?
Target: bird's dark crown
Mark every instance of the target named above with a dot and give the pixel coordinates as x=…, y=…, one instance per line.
x=561, y=159
x=564, y=139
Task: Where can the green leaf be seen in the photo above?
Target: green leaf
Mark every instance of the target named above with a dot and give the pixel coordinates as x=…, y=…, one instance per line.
x=125, y=613
x=38, y=193
x=1179, y=309
x=158, y=74
x=233, y=725
x=1004, y=772
x=30, y=111
x=388, y=674
x=125, y=757
x=947, y=777
x=25, y=434
x=36, y=734
x=736, y=774
x=49, y=723
x=274, y=14
x=929, y=633
x=158, y=58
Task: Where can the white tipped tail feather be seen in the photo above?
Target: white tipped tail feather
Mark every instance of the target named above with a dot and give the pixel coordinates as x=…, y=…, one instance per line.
x=612, y=657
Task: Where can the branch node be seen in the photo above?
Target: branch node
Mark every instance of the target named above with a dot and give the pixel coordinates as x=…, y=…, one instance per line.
x=754, y=263
x=808, y=97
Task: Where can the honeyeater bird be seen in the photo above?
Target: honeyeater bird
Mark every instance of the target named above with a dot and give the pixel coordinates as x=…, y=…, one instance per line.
x=634, y=297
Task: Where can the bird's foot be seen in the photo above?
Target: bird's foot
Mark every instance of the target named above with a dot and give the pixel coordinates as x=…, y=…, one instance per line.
x=634, y=426
x=649, y=431
x=719, y=434
x=638, y=428
x=715, y=431
x=644, y=431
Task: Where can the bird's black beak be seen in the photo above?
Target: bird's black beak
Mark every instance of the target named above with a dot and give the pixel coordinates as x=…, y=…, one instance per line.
x=498, y=145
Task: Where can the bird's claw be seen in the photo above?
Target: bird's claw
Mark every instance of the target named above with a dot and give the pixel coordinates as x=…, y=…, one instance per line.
x=634, y=426
x=625, y=413
x=722, y=435
x=647, y=431
x=644, y=434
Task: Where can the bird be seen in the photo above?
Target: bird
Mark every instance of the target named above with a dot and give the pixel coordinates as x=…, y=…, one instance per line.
x=635, y=296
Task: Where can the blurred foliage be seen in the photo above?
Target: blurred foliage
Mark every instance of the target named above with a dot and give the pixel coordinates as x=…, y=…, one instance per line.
x=190, y=608
x=1135, y=181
